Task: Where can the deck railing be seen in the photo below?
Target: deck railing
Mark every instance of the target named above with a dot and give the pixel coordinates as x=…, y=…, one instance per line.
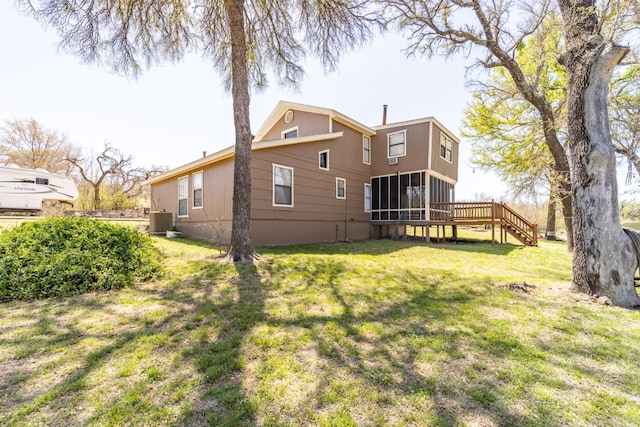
x=484, y=213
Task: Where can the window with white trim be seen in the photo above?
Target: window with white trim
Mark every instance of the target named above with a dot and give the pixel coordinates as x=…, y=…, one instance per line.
x=323, y=160
x=366, y=149
x=183, y=196
x=397, y=144
x=282, y=186
x=341, y=188
x=290, y=133
x=446, y=148
x=196, y=182
x=367, y=197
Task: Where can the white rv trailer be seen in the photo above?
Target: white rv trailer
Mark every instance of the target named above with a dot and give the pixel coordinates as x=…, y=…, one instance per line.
x=25, y=189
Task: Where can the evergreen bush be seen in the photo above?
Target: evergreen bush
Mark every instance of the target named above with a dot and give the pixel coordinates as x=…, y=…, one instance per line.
x=70, y=256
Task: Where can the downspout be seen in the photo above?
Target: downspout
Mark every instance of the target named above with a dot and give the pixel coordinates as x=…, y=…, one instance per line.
x=427, y=177
x=346, y=212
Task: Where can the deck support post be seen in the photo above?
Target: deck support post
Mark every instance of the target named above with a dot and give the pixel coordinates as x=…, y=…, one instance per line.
x=493, y=222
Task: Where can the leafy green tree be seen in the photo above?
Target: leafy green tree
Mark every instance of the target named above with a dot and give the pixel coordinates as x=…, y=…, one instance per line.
x=506, y=130
x=26, y=143
x=244, y=39
x=506, y=139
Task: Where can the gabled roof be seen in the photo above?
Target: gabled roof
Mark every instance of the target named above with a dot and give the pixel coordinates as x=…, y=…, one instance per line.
x=283, y=106
x=230, y=152
x=418, y=121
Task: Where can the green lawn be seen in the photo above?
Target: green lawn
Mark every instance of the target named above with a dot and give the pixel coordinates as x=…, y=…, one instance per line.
x=373, y=333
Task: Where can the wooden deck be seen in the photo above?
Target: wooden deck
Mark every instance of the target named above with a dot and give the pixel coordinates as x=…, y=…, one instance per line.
x=442, y=215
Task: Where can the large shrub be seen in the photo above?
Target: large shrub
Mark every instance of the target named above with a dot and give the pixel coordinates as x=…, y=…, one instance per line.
x=70, y=256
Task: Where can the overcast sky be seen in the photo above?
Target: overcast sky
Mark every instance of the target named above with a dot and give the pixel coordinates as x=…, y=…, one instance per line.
x=173, y=113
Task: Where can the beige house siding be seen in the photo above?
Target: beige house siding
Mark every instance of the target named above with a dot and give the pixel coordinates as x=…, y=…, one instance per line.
x=213, y=220
x=307, y=124
x=317, y=214
x=164, y=197
x=417, y=149
x=440, y=165
x=275, y=232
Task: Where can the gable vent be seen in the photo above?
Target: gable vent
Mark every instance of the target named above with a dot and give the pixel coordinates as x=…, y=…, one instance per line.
x=393, y=160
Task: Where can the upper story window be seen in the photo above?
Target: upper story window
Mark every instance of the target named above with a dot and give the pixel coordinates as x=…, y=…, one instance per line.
x=323, y=160
x=183, y=196
x=366, y=149
x=197, y=189
x=446, y=148
x=341, y=188
x=290, y=133
x=282, y=186
x=397, y=144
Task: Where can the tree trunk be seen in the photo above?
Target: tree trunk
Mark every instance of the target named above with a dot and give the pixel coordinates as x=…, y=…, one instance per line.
x=561, y=168
x=241, y=242
x=96, y=197
x=603, y=258
x=550, y=233
x=635, y=161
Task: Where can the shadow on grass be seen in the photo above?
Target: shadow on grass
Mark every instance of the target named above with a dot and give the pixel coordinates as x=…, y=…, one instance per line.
x=286, y=344
x=106, y=345
x=224, y=401
x=388, y=367
x=384, y=247
x=432, y=355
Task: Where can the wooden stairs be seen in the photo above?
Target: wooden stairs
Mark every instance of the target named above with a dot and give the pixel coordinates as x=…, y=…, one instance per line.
x=485, y=213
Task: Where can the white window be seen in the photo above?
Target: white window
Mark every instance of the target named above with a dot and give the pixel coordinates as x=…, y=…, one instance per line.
x=290, y=133
x=366, y=149
x=323, y=160
x=282, y=186
x=367, y=197
x=446, y=148
x=197, y=189
x=397, y=144
x=183, y=196
x=341, y=188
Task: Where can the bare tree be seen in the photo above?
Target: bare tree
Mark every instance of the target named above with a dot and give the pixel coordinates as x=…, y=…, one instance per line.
x=26, y=143
x=488, y=28
x=604, y=260
x=111, y=166
x=244, y=38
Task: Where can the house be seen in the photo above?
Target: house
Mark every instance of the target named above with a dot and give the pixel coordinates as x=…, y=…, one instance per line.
x=317, y=175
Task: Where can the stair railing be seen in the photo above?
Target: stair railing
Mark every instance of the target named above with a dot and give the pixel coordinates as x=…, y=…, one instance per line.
x=519, y=224
x=461, y=212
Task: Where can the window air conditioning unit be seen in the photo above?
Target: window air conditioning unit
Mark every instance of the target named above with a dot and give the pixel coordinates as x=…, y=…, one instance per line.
x=393, y=160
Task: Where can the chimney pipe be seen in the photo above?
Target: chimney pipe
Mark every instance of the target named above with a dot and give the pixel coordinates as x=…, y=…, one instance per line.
x=384, y=114
x=204, y=154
